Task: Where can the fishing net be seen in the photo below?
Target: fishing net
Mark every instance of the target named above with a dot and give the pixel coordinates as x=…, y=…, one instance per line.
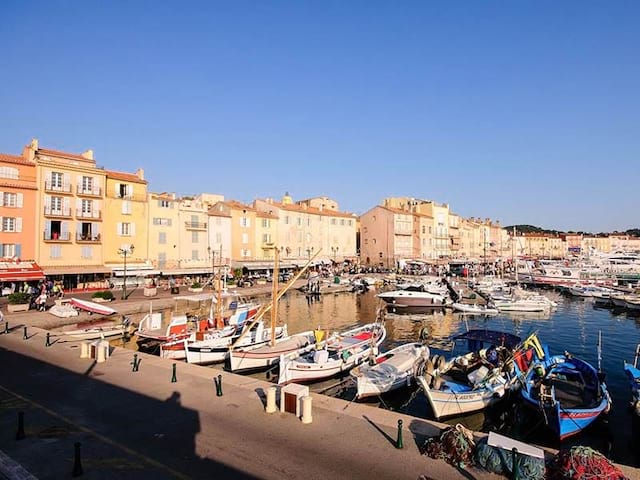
x=454, y=445
x=584, y=463
x=498, y=460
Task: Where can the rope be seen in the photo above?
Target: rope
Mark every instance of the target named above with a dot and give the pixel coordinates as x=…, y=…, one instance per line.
x=498, y=460
x=455, y=445
x=584, y=463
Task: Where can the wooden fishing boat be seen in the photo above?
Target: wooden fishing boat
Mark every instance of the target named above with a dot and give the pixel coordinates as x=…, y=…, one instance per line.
x=474, y=380
x=340, y=354
x=390, y=370
x=174, y=349
x=568, y=392
x=633, y=374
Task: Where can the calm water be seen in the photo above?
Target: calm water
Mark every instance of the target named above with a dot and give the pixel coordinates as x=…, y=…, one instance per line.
x=572, y=327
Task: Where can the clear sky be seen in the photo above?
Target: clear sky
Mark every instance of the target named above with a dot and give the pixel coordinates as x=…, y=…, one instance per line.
x=523, y=111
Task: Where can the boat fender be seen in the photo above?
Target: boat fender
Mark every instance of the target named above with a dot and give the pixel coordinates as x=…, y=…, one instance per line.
x=345, y=355
x=424, y=333
x=438, y=361
x=428, y=367
x=436, y=382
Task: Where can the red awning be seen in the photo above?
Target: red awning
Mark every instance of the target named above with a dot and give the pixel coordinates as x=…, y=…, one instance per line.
x=20, y=272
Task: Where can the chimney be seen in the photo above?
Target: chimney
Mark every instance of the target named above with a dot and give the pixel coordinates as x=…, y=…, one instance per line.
x=140, y=173
x=88, y=154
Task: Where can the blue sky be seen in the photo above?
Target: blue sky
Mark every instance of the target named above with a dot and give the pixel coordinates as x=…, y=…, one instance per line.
x=526, y=112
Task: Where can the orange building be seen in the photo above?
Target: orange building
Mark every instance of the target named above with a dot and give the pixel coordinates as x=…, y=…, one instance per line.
x=18, y=194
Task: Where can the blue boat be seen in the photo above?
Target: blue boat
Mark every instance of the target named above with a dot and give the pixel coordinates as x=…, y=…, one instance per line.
x=568, y=392
x=633, y=374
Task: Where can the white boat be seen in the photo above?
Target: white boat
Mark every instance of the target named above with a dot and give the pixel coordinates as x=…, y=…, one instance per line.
x=406, y=298
x=632, y=303
x=522, y=305
x=391, y=370
x=474, y=309
x=63, y=311
x=262, y=356
x=174, y=349
x=341, y=353
x=469, y=382
x=94, y=332
x=217, y=349
x=91, y=307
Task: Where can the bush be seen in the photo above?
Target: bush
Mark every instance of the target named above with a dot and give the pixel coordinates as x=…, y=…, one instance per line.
x=196, y=285
x=105, y=294
x=18, y=298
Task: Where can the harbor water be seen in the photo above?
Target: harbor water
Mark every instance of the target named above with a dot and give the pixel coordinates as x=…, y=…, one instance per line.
x=572, y=327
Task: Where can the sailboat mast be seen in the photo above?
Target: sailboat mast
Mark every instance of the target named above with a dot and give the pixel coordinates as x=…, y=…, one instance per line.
x=515, y=258
x=274, y=296
x=219, y=319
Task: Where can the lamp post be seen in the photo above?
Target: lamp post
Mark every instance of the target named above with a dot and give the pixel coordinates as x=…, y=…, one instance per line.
x=124, y=251
x=212, y=256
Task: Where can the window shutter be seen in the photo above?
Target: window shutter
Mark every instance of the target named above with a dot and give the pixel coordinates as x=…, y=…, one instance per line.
x=1, y=223
x=19, y=224
x=96, y=229
x=65, y=206
x=19, y=200
x=132, y=229
x=1, y=199
x=119, y=228
x=66, y=180
x=78, y=230
x=117, y=189
x=47, y=229
x=64, y=229
x=18, y=250
x=78, y=206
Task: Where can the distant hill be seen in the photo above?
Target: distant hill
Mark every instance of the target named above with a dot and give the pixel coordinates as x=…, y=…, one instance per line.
x=633, y=231
x=531, y=229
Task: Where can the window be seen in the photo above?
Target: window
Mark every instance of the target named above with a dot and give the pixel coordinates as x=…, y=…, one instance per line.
x=87, y=252
x=56, y=179
x=8, y=250
x=86, y=206
x=9, y=200
x=194, y=255
x=350, y=222
x=162, y=259
x=429, y=230
x=162, y=238
x=342, y=222
x=245, y=238
x=244, y=222
x=126, y=207
x=308, y=222
x=218, y=221
x=286, y=220
x=266, y=238
x=164, y=204
x=195, y=238
x=162, y=221
x=194, y=219
x=424, y=229
x=9, y=224
x=9, y=172
x=56, y=204
x=55, y=251
x=126, y=229
x=333, y=221
x=218, y=237
x=266, y=223
x=87, y=187
x=299, y=221
x=124, y=190
x=245, y=253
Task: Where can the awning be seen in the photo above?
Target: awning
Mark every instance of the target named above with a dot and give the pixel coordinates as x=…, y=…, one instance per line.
x=76, y=270
x=135, y=272
x=20, y=271
x=181, y=271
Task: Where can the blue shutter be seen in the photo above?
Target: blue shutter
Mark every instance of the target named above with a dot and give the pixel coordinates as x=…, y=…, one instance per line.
x=18, y=250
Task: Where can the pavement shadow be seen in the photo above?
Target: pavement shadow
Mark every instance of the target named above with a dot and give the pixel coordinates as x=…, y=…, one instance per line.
x=389, y=438
x=262, y=395
x=124, y=434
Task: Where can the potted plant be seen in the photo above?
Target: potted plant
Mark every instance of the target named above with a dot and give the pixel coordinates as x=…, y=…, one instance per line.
x=18, y=302
x=196, y=287
x=150, y=289
x=102, y=296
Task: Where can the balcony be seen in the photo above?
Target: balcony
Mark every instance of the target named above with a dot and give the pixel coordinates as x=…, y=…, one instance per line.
x=57, y=237
x=80, y=238
x=134, y=197
x=57, y=212
x=56, y=188
x=88, y=192
x=195, y=225
x=93, y=215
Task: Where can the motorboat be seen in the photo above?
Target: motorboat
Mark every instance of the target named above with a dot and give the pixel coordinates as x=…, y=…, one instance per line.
x=473, y=380
x=567, y=391
x=390, y=370
x=474, y=309
x=405, y=298
x=339, y=353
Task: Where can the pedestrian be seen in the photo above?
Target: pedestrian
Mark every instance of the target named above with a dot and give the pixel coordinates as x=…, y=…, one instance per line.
x=41, y=302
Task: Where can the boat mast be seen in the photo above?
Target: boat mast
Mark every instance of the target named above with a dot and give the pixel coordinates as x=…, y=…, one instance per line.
x=219, y=319
x=513, y=256
x=274, y=295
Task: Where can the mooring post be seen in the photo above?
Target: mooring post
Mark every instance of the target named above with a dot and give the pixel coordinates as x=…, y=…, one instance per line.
x=515, y=470
x=20, y=433
x=77, y=464
x=399, y=443
x=25, y=335
x=174, y=379
x=134, y=364
x=219, y=386
x=48, y=341
x=6, y=327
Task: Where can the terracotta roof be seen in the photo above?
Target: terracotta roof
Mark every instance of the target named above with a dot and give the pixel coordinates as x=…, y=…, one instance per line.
x=236, y=205
x=58, y=153
x=266, y=215
x=5, y=157
x=125, y=177
x=215, y=211
x=311, y=210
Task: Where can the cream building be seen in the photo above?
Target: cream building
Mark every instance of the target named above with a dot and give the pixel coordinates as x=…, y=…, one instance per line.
x=164, y=231
x=220, y=239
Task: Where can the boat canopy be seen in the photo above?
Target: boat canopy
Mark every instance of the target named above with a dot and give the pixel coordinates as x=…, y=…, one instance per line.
x=494, y=337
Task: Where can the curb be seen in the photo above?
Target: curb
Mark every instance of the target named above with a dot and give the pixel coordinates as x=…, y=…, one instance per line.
x=12, y=470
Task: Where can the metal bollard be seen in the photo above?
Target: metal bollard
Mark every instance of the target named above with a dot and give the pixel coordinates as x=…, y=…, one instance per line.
x=85, y=350
x=48, y=341
x=399, y=443
x=174, y=379
x=307, y=403
x=515, y=470
x=134, y=364
x=20, y=433
x=271, y=400
x=25, y=335
x=6, y=327
x=218, y=386
x=77, y=465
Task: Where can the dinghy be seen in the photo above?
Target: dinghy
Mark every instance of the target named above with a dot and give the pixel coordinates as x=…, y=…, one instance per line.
x=568, y=392
x=390, y=370
x=341, y=353
x=472, y=381
x=92, y=307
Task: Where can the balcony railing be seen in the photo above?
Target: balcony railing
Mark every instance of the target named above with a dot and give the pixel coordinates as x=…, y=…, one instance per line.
x=89, y=192
x=80, y=238
x=195, y=225
x=57, y=212
x=51, y=187
x=93, y=215
x=57, y=237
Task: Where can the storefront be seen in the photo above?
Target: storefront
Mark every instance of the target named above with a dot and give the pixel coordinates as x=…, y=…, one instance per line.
x=14, y=274
x=80, y=277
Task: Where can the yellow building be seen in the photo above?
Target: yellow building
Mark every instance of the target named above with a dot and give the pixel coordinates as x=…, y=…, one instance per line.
x=266, y=236
x=125, y=232
x=592, y=244
x=69, y=216
x=194, y=243
x=164, y=231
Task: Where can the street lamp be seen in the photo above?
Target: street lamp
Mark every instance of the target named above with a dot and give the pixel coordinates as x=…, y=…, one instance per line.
x=212, y=256
x=124, y=251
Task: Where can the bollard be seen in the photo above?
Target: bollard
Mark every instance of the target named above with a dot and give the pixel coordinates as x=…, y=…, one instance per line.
x=25, y=335
x=271, y=400
x=515, y=471
x=101, y=354
x=48, y=341
x=85, y=350
x=77, y=465
x=174, y=379
x=134, y=364
x=306, y=410
x=219, y=386
x=399, y=443
x=6, y=327
x=20, y=433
